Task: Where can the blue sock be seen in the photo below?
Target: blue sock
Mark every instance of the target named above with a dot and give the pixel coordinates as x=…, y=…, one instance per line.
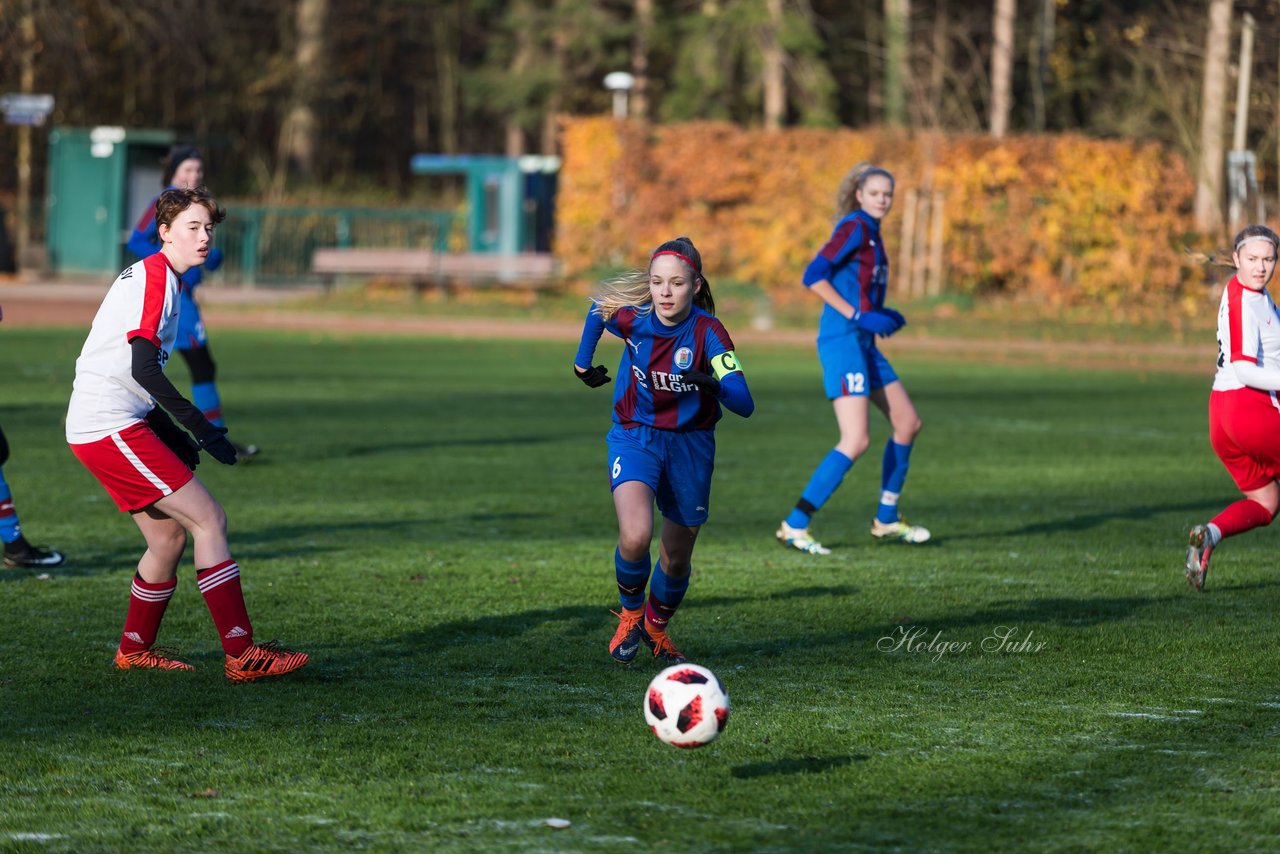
x=205, y=397
x=9, y=530
x=824, y=482
x=665, y=595
x=631, y=575
x=893, y=474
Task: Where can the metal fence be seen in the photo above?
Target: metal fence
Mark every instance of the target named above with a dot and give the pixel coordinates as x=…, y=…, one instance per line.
x=273, y=245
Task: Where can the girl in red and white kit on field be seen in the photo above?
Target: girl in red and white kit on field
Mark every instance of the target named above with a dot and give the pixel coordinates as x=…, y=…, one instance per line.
x=146, y=462
x=1244, y=409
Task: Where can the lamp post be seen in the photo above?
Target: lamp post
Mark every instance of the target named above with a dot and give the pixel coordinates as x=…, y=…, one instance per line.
x=619, y=83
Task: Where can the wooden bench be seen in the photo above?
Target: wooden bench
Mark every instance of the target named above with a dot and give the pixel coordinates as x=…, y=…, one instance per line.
x=424, y=268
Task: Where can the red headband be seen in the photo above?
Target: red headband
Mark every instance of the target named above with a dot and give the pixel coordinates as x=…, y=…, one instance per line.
x=692, y=265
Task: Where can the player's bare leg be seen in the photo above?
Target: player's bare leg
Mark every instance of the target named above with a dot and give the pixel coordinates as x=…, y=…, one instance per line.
x=1203, y=539
x=218, y=575
x=851, y=419
x=150, y=593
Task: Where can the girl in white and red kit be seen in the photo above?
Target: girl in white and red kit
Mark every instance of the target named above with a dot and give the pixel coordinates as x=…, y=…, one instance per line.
x=117, y=427
x=1244, y=409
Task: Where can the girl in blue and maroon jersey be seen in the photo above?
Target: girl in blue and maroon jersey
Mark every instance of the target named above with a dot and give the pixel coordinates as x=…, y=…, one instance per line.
x=850, y=273
x=184, y=169
x=677, y=368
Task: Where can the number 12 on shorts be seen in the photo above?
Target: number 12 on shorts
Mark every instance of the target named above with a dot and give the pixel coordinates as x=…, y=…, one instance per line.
x=855, y=383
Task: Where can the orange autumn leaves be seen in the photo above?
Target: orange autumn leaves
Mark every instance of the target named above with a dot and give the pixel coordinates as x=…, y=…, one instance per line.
x=1061, y=218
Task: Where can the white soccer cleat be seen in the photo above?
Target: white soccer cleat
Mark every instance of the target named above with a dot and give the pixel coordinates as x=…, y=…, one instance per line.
x=899, y=530
x=798, y=538
x=1198, y=556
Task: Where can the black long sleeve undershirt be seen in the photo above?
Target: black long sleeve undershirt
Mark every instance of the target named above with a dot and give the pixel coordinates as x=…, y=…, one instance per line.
x=149, y=374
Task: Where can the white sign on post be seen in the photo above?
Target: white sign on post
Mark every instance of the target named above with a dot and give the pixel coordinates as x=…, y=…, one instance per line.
x=23, y=109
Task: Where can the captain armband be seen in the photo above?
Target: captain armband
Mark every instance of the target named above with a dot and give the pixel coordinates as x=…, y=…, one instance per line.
x=724, y=364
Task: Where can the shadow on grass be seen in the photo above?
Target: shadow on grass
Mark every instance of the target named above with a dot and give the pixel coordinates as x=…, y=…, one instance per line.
x=283, y=541
x=1087, y=521
x=796, y=765
x=501, y=667
x=432, y=444
x=291, y=541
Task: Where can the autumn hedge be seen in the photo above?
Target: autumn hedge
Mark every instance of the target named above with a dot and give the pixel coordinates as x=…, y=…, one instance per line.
x=1063, y=218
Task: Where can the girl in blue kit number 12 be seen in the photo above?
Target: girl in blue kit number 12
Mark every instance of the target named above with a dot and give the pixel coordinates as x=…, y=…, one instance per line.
x=851, y=274
x=677, y=368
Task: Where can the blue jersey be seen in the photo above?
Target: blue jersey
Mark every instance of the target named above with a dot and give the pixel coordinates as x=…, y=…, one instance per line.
x=854, y=261
x=647, y=391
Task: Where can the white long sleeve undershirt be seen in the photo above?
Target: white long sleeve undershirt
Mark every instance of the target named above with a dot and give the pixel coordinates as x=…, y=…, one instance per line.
x=1256, y=376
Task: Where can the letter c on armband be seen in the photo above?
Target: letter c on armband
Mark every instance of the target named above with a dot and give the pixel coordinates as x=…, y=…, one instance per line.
x=725, y=364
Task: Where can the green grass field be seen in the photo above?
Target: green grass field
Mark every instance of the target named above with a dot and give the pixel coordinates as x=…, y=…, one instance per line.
x=431, y=521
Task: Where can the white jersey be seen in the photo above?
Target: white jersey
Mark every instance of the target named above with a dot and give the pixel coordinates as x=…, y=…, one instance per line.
x=1248, y=330
x=105, y=398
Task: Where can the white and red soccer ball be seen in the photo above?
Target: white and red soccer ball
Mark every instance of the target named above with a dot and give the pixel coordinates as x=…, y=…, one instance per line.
x=686, y=706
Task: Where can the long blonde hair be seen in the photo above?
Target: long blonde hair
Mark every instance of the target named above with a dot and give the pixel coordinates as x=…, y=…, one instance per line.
x=852, y=182
x=631, y=289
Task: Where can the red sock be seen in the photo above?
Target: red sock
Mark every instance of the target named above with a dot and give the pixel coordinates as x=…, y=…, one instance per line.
x=220, y=586
x=1244, y=515
x=147, y=602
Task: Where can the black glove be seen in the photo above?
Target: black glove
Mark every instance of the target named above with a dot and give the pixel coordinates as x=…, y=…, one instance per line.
x=593, y=377
x=174, y=437
x=215, y=444
x=704, y=382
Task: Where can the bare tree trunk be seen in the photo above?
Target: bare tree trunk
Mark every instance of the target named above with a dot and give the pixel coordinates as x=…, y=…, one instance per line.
x=1002, y=67
x=1209, y=173
x=640, y=58
x=897, y=17
x=300, y=131
x=445, y=36
x=523, y=61
x=515, y=139
x=775, y=88
x=27, y=85
x=1040, y=60
x=421, y=114
x=937, y=71
x=555, y=103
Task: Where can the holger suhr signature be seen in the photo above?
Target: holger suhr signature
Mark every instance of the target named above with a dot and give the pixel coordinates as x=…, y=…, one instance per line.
x=919, y=640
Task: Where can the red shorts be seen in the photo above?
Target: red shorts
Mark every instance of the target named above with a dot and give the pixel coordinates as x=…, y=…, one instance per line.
x=1244, y=429
x=135, y=467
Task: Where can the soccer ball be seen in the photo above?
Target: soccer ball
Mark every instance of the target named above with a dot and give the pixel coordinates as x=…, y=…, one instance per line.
x=686, y=706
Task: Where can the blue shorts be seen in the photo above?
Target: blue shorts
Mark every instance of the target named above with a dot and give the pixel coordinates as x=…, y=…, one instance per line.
x=852, y=366
x=677, y=466
x=190, y=325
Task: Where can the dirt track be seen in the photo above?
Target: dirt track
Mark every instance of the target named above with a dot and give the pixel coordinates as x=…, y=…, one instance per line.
x=48, y=305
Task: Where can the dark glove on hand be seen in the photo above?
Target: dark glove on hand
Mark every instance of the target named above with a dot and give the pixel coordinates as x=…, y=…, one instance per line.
x=877, y=323
x=704, y=382
x=174, y=437
x=593, y=377
x=215, y=444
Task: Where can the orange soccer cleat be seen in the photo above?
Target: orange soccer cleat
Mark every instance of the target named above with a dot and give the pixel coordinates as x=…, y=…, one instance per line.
x=663, y=649
x=156, y=658
x=626, y=640
x=262, y=660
